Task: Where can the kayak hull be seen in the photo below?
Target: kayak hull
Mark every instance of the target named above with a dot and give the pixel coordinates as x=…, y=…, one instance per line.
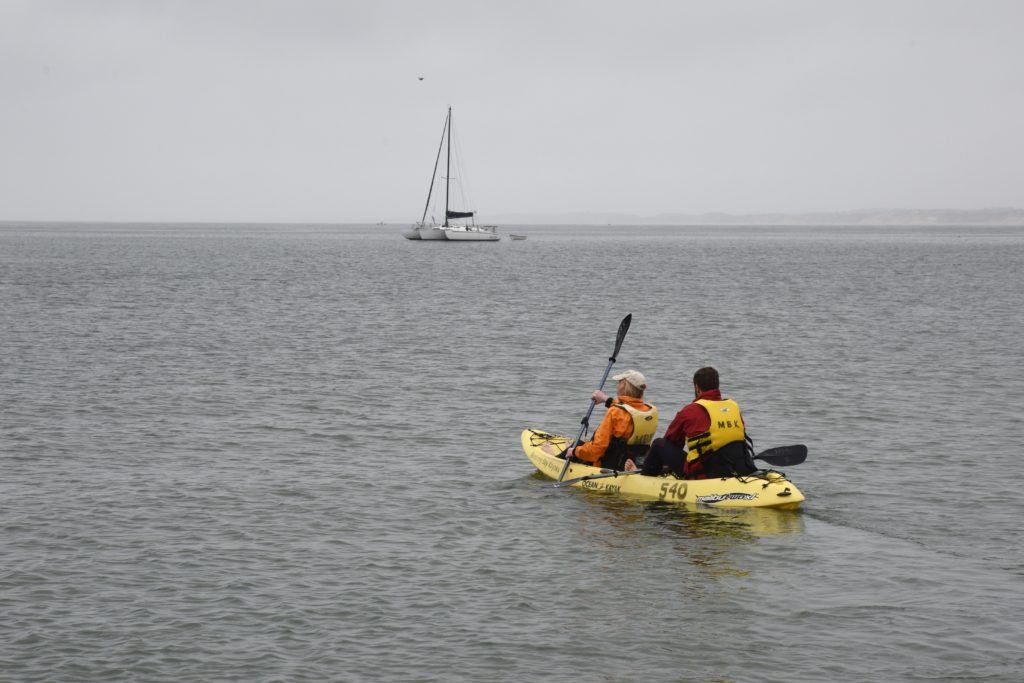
x=761, y=490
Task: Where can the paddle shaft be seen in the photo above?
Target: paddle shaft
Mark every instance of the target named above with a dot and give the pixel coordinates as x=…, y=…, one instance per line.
x=623, y=328
x=588, y=477
x=586, y=418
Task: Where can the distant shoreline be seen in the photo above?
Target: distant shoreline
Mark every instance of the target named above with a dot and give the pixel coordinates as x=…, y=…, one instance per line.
x=1001, y=217
x=867, y=217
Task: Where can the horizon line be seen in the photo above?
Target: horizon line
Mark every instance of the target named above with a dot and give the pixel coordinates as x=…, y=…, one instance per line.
x=565, y=217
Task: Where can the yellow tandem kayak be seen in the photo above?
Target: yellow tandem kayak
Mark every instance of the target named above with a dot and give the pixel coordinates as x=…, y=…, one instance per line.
x=768, y=489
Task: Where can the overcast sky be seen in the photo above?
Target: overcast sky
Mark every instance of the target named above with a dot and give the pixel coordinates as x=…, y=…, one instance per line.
x=293, y=110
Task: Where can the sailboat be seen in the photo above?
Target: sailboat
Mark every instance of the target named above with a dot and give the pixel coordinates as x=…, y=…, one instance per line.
x=458, y=226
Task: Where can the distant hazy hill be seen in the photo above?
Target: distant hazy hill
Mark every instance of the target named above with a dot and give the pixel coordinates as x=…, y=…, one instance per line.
x=863, y=217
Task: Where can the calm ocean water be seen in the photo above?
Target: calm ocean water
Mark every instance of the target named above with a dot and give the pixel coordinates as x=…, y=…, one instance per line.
x=290, y=453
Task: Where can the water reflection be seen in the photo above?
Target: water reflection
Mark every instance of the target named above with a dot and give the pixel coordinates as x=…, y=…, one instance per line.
x=718, y=542
x=746, y=523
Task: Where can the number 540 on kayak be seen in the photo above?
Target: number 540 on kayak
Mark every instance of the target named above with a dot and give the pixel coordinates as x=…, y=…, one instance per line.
x=676, y=490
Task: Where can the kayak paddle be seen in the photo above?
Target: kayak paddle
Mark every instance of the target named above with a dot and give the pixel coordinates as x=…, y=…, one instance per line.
x=783, y=456
x=623, y=328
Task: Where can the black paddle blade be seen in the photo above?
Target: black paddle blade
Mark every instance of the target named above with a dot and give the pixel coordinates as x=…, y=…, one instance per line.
x=784, y=456
x=623, y=328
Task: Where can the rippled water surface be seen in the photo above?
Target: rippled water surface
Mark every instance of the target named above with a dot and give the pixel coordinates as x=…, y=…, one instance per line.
x=291, y=453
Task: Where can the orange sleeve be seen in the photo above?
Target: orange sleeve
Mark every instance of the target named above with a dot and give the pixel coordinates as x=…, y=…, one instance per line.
x=615, y=423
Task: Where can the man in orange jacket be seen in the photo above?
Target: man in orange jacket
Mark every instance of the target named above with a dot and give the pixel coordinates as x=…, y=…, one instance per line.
x=627, y=428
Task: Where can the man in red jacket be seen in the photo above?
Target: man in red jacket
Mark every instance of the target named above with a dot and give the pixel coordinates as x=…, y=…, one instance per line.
x=712, y=430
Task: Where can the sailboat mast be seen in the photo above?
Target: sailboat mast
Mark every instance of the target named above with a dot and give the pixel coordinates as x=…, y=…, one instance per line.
x=448, y=168
x=437, y=160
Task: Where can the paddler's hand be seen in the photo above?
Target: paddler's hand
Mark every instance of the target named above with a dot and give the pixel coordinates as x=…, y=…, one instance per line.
x=599, y=397
x=568, y=452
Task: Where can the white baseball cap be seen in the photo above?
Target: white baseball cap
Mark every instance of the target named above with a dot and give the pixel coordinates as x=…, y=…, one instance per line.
x=634, y=377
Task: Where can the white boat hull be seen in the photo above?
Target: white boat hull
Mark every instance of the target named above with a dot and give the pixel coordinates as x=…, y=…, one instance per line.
x=472, y=234
x=431, y=233
x=411, y=234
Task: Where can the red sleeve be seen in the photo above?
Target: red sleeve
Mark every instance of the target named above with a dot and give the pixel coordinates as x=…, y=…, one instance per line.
x=692, y=420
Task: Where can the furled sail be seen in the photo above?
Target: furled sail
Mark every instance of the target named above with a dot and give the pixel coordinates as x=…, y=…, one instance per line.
x=460, y=214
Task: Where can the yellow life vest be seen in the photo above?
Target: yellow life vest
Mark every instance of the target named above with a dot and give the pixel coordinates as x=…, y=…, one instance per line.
x=645, y=423
x=726, y=427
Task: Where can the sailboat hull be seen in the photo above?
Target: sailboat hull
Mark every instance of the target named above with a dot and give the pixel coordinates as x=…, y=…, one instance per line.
x=431, y=234
x=411, y=234
x=471, y=235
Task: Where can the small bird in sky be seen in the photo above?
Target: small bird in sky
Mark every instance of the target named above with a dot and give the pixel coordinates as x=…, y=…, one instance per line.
x=421, y=78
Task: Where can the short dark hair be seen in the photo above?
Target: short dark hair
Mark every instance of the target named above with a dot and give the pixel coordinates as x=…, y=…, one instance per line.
x=706, y=379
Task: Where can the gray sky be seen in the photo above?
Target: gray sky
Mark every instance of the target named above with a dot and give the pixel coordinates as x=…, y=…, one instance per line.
x=292, y=110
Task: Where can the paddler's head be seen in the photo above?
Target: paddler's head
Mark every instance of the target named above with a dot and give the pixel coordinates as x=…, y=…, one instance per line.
x=631, y=383
x=704, y=379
